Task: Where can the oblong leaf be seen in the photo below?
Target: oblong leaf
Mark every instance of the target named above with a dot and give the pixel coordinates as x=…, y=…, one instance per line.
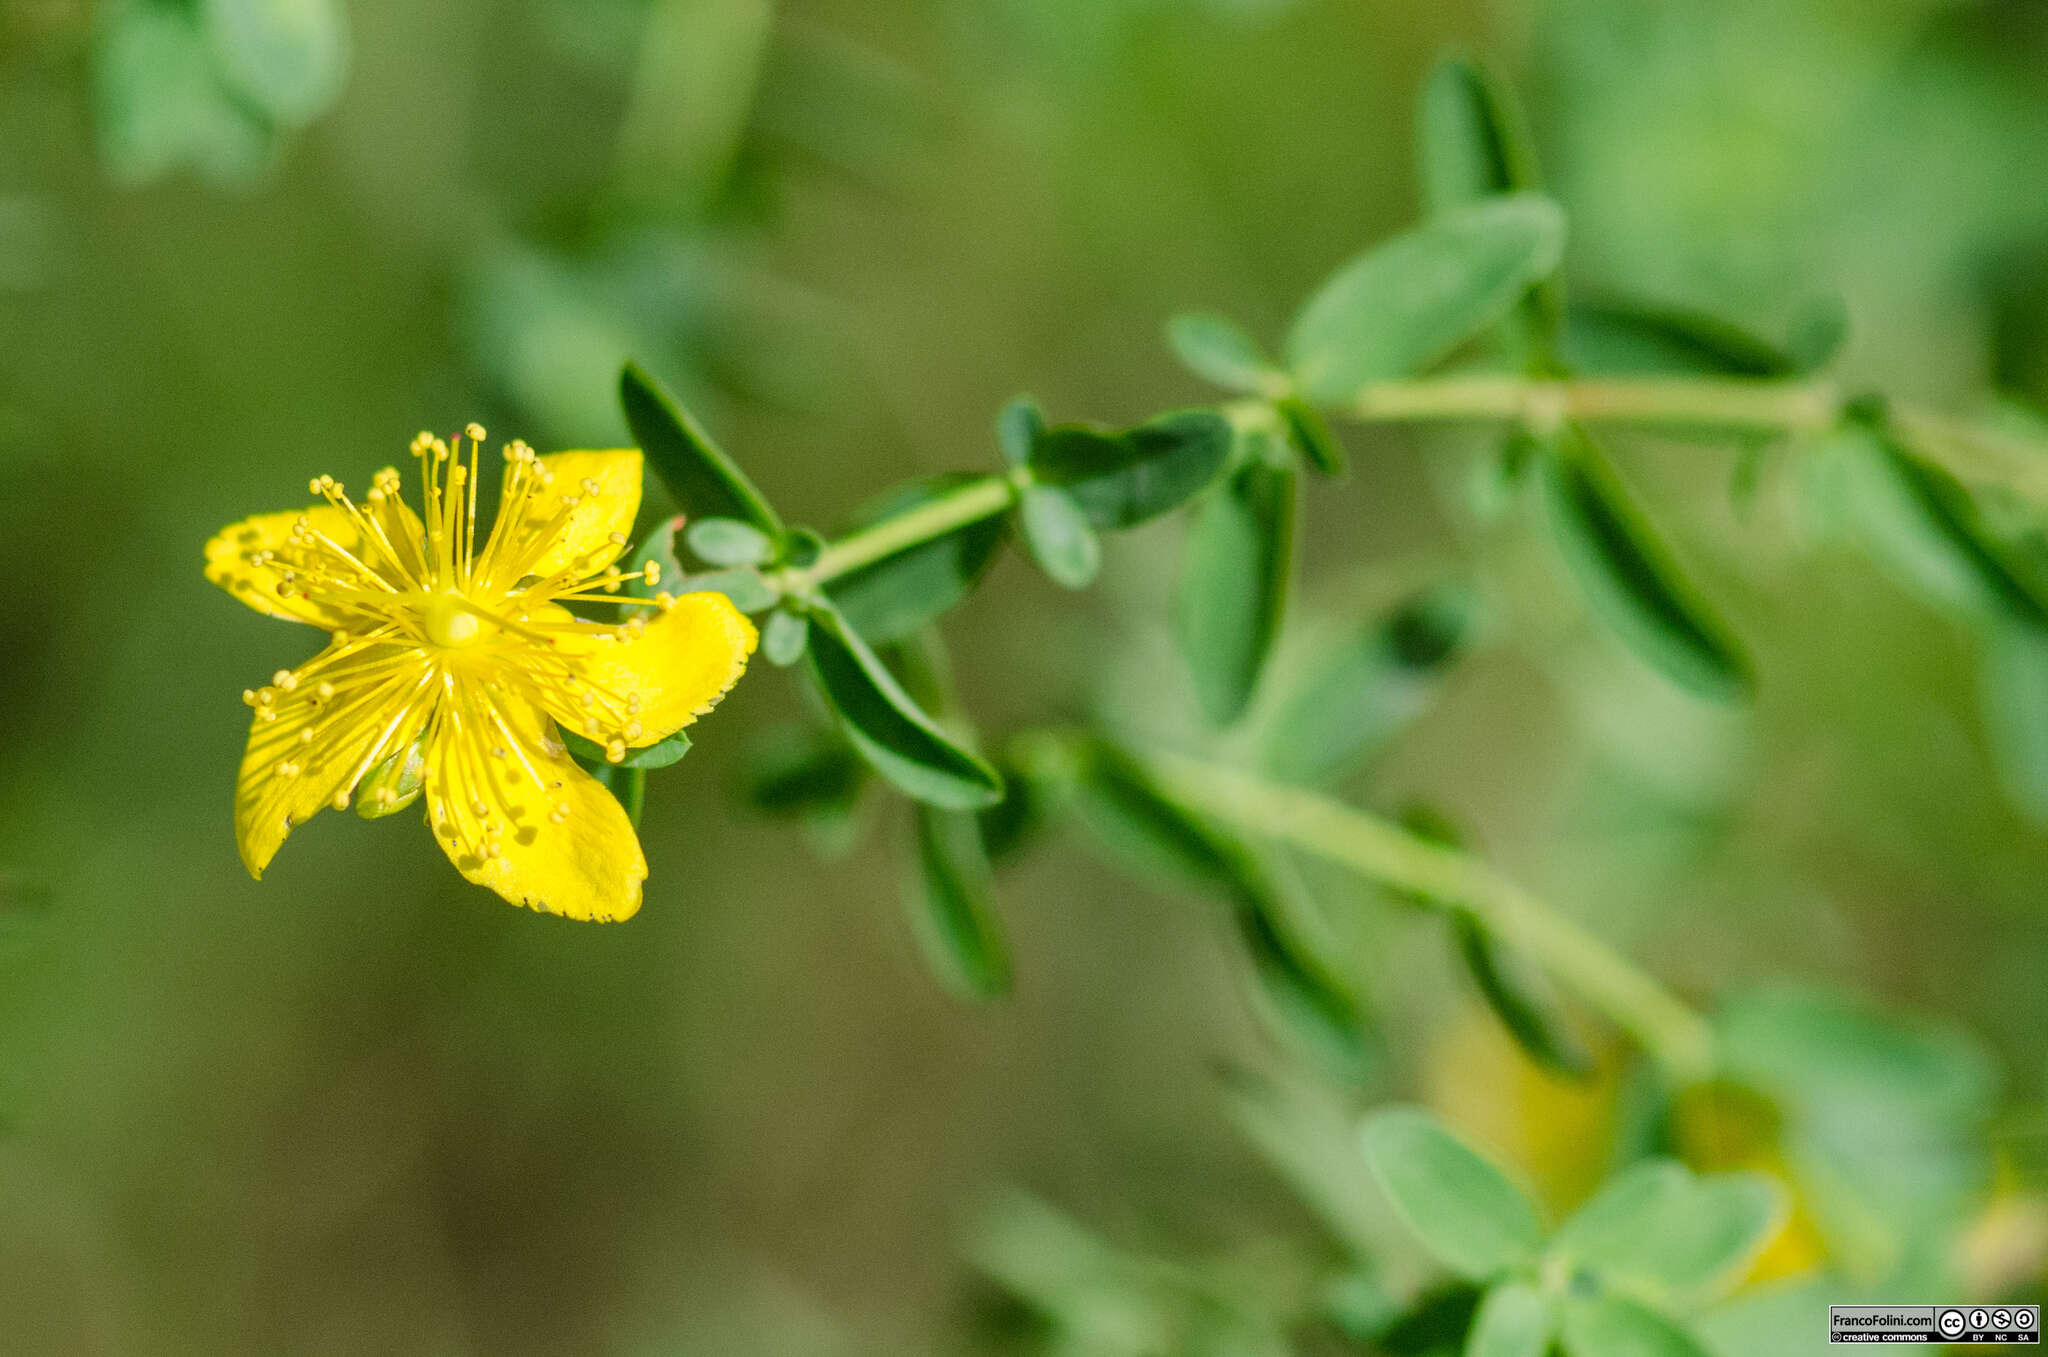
x=1472, y=140
x=660, y=754
x=1310, y=434
x=952, y=906
x=1059, y=538
x=902, y=743
x=784, y=637
x=1465, y=1212
x=1630, y=578
x=728, y=541
x=1611, y=1326
x=703, y=481
x=1404, y=304
x=1215, y=348
x=1515, y=1320
x=1628, y=337
x=1541, y=1035
x=1235, y=569
x=906, y=592
x=1120, y=478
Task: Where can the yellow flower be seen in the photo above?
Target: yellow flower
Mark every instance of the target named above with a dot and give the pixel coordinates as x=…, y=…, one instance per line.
x=466, y=651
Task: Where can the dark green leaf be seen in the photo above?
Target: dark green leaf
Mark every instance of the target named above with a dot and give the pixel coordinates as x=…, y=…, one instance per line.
x=728, y=541
x=902, y=594
x=1628, y=576
x=803, y=773
x=1235, y=570
x=1515, y=1320
x=1473, y=141
x=1059, y=538
x=1614, y=1326
x=952, y=906
x=1528, y=1019
x=1464, y=1211
x=1213, y=347
x=801, y=548
x=1311, y=436
x=1017, y=429
x=1403, y=305
x=1360, y=692
x=902, y=743
x=1120, y=478
x=393, y=784
x=1436, y=1323
x=784, y=637
x=1635, y=338
x=660, y=754
x=1303, y=981
x=287, y=57
x=701, y=479
x=1929, y=531
x=1013, y=822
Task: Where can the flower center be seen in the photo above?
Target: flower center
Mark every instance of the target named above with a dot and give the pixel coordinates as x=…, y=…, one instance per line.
x=449, y=621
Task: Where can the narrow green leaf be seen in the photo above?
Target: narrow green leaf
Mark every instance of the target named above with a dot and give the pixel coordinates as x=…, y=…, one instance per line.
x=1012, y=823
x=1214, y=348
x=1472, y=139
x=1120, y=478
x=1303, y=981
x=1349, y=701
x=952, y=906
x=287, y=57
x=902, y=743
x=1528, y=1019
x=701, y=479
x=1464, y=1211
x=2013, y=683
x=1630, y=579
x=1235, y=570
x=1403, y=305
x=1311, y=436
x=1928, y=530
x=1610, y=1326
x=1018, y=426
x=393, y=784
x=1626, y=337
x=784, y=637
x=1435, y=1324
x=660, y=754
x=728, y=541
x=1059, y=538
x=1515, y=1320
x=904, y=593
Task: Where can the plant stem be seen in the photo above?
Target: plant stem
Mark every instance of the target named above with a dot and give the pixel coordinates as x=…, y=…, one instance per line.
x=1676, y=1036
x=1734, y=402
x=968, y=503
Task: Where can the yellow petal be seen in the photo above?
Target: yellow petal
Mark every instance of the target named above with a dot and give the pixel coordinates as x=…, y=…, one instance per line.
x=678, y=668
x=356, y=708
x=593, y=534
x=228, y=563
x=514, y=812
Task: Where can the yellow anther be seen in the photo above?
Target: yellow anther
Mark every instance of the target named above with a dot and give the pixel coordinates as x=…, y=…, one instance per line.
x=479, y=808
x=340, y=800
x=287, y=769
x=306, y=735
x=615, y=752
x=285, y=679
x=448, y=621
x=474, y=431
x=324, y=691
x=494, y=850
x=560, y=812
x=590, y=485
x=634, y=704
x=618, y=539
x=265, y=696
x=248, y=697
x=651, y=572
x=633, y=730
x=666, y=600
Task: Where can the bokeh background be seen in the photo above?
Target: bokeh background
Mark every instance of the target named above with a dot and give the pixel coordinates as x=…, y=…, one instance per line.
x=364, y=1107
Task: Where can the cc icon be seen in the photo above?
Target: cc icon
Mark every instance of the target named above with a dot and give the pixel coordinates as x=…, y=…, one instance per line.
x=1951, y=1323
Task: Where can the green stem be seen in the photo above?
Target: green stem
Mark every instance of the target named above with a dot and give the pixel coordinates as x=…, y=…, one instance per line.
x=969, y=503
x=1676, y=1036
x=1750, y=403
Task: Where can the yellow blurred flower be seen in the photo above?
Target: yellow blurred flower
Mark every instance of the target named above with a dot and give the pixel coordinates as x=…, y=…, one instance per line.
x=465, y=651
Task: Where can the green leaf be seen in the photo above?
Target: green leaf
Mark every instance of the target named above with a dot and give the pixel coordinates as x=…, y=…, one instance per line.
x=1403, y=305
x=902, y=743
x=784, y=637
x=1472, y=138
x=1015, y=821
x=1235, y=570
x=2013, y=684
x=1018, y=426
x=393, y=784
x=1632, y=338
x=902, y=594
x=658, y=546
x=952, y=906
x=288, y=57
x=1515, y=1320
x=1611, y=1326
x=1351, y=699
x=1464, y=1211
x=1214, y=348
x=160, y=105
x=1529, y=1020
x=747, y=590
x=1926, y=528
x=1818, y=332
x=1308, y=990
x=1657, y=1225
x=1630, y=578
x=660, y=754
x=804, y=773
x=1311, y=436
x=728, y=541
x=1120, y=478
x=1059, y=538
x=701, y=479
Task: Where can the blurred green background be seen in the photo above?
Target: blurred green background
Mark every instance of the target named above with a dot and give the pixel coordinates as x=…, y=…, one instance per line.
x=364, y=1107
